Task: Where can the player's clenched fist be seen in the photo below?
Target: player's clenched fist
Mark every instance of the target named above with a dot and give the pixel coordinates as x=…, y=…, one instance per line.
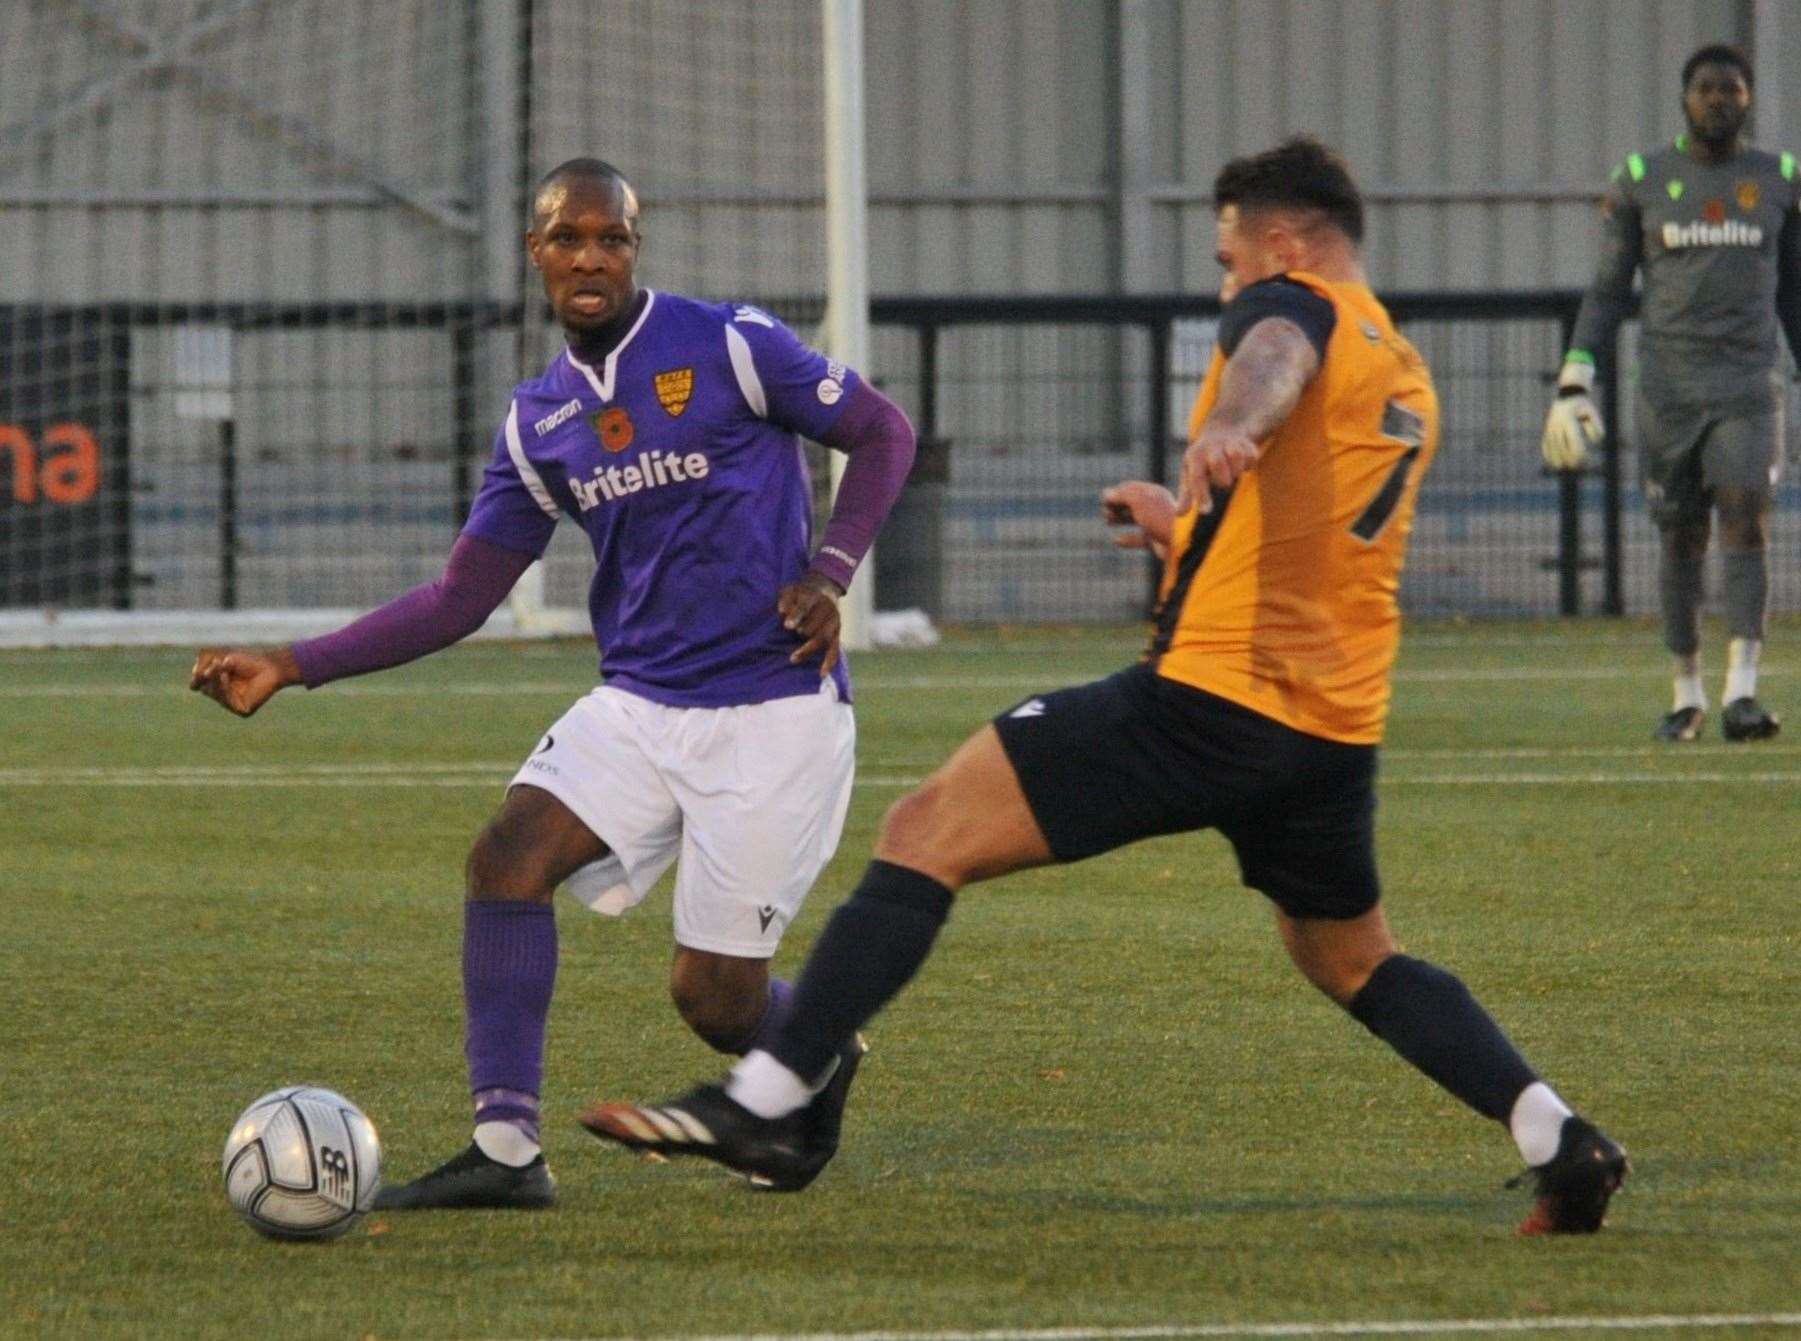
x=241, y=680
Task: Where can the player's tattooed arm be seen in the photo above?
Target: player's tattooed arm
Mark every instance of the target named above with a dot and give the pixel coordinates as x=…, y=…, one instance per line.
x=1259, y=387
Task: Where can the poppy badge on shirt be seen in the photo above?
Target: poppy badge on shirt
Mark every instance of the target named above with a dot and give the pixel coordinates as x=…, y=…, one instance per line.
x=614, y=426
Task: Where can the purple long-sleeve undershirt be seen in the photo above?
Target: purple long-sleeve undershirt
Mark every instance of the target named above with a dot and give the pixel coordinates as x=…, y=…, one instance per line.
x=477, y=578
x=875, y=433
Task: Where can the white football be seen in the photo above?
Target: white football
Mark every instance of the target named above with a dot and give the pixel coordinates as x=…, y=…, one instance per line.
x=302, y=1163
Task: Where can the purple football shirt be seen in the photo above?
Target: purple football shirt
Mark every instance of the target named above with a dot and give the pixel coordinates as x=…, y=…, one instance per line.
x=679, y=456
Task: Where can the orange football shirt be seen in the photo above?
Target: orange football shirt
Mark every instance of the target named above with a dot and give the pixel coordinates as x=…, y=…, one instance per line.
x=1285, y=599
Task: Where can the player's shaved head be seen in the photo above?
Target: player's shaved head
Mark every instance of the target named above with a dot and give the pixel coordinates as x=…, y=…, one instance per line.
x=1299, y=175
x=577, y=174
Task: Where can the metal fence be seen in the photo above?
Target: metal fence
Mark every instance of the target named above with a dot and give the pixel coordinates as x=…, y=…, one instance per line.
x=357, y=433
x=1028, y=406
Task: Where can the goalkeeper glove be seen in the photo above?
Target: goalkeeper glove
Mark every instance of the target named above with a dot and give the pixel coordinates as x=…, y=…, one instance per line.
x=1574, y=424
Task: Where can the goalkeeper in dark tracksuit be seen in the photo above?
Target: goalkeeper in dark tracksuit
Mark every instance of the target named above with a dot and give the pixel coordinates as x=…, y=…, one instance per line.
x=1713, y=225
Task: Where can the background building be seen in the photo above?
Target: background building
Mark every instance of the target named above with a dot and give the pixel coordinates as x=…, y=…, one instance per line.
x=314, y=208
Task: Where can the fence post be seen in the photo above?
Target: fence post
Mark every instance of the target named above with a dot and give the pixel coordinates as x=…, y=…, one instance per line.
x=465, y=436
x=911, y=574
x=1156, y=462
x=1613, y=590
x=228, y=514
x=1569, y=517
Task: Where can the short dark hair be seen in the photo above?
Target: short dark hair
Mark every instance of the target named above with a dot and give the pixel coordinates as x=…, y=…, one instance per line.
x=579, y=169
x=1718, y=53
x=1298, y=174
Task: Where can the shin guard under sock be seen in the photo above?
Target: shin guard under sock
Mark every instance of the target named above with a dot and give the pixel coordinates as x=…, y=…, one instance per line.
x=869, y=950
x=1430, y=1018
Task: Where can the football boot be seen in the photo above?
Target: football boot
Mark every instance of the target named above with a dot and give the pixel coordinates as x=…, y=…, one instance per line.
x=1681, y=725
x=1747, y=719
x=708, y=1123
x=824, y=1116
x=1574, y=1185
x=471, y=1181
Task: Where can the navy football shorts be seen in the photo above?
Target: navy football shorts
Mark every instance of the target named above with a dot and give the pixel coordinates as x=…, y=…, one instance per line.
x=1136, y=755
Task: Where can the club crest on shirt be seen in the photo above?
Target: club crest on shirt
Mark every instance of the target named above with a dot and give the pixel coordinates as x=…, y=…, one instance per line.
x=1747, y=195
x=614, y=426
x=673, y=390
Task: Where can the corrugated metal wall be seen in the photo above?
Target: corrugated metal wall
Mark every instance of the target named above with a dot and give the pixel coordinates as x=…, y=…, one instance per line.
x=185, y=150
x=328, y=148
x=309, y=150
x=1482, y=129
x=1478, y=129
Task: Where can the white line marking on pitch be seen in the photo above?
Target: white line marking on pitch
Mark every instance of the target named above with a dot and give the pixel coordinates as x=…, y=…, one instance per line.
x=1396, y=1327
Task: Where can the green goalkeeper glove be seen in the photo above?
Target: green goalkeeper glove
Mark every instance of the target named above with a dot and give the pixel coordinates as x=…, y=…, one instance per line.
x=1574, y=424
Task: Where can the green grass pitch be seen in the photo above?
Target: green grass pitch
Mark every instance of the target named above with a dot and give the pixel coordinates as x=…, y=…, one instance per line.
x=1108, y=1102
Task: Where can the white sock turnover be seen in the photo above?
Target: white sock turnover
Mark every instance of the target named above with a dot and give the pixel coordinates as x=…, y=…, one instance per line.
x=770, y=1090
x=1537, y=1122
x=1687, y=685
x=504, y=1143
x=1741, y=668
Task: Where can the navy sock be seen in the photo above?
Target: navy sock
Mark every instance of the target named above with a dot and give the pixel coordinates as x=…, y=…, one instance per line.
x=1430, y=1018
x=869, y=950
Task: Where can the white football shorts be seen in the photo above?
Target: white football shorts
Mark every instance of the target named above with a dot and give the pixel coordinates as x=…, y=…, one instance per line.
x=750, y=799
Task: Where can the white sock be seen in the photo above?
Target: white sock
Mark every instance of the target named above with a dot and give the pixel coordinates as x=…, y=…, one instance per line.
x=504, y=1143
x=1741, y=668
x=1537, y=1122
x=1687, y=681
x=769, y=1089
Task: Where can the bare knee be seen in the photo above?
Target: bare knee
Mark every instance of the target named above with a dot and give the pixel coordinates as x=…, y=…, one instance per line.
x=1338, y=957
x=969, y=821
x=915, y=834
x=505, y=864
x=720, y=997
x=529, y=848
x=910, y=821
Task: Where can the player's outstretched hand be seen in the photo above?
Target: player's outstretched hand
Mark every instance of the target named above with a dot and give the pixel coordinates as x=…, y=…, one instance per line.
x=242, y=680
x=1219, y=454
x=1148, y=508
x=808, y=607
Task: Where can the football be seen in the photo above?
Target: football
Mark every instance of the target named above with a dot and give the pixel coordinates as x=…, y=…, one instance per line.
x=302, y=1163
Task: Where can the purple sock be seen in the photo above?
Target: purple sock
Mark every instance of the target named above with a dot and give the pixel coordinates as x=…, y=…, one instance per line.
x=509, y=971
x=781, y=996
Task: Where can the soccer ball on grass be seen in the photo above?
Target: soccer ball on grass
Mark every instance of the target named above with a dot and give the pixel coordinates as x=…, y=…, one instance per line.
x=302, y=1163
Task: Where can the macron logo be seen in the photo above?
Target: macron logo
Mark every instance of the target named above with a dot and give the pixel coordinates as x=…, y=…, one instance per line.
x=745, y=312
x=653, y=470
x=561, y=415
x=1032, y=707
